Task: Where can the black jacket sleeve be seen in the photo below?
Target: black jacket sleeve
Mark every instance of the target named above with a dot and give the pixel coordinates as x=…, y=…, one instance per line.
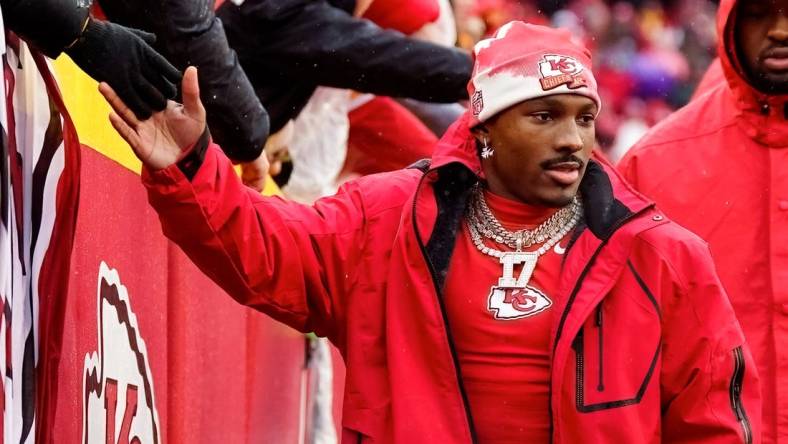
x=188, y=33
x=236, y=118
x=316, y=42
x=48, y=25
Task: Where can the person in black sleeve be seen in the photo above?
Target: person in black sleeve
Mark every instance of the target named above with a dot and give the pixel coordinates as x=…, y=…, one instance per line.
x=287, y=48
x=189, y=33
x=108, y=52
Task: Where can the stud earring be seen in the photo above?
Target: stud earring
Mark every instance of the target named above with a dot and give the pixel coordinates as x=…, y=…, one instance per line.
x=487, y=149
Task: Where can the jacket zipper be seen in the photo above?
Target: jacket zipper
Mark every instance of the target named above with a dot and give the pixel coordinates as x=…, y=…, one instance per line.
x=579, y=348
x=580, y=364
x=601, y=382
x=447, y=329
x=735, y=391
x=573, y=295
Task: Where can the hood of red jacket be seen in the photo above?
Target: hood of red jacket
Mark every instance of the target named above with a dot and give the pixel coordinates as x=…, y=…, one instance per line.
x=457, y=145
x=764, y=116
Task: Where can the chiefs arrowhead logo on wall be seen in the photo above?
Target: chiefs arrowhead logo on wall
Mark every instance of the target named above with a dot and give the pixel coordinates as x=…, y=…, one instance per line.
x=557, y=70
x=516, y=303
x=119, y=406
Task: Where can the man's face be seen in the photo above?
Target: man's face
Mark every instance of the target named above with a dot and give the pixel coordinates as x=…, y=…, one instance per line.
x=542, y=147
x=761, y=35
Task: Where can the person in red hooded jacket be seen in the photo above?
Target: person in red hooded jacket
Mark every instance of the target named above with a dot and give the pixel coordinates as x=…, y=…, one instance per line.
x=515, y=289
x=718, y=167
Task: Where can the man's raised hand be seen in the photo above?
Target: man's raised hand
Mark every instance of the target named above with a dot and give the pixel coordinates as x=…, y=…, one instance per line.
x=167, y=135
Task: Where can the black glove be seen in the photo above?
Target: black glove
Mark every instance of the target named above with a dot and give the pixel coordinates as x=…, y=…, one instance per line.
x=123, y=58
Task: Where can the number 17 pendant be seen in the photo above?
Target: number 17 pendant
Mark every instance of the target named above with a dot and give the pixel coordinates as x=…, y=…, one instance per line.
x=513, y=298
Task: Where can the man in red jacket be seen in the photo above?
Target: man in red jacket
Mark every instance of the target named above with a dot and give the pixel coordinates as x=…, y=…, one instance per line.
x=718, y=167
x=513, y=290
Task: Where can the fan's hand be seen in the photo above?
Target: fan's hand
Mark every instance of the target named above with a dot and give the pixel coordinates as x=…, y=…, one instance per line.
x=124, y=58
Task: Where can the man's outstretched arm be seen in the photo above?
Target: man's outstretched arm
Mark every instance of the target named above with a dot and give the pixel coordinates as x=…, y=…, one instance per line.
x=290, y=261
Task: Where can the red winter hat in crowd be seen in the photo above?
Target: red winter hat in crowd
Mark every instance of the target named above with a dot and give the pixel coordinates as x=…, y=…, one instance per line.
x=523, y=62
x=406, y=16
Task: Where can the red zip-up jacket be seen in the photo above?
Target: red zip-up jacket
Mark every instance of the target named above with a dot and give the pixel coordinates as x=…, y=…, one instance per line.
x=640, y=307
x=719, y=167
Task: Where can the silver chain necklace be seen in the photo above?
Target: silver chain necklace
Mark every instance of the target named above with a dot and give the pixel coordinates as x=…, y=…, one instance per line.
x=487, y=225
x=483, y=224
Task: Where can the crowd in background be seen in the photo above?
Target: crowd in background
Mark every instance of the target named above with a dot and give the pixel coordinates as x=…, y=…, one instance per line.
x=335, y=89
x=648, y=58
x=648, y=55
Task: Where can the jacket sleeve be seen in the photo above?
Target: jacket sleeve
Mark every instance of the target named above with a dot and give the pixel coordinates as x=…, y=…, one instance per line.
x=192, y=35
x=321, y=44
x=49, y=25
x=189, y=34
x=290, y=261
x=709, y=382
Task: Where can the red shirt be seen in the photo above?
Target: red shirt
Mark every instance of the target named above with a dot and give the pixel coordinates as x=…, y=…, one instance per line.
x=503, y=343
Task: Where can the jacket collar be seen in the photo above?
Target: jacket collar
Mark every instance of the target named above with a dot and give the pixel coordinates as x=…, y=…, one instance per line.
x=761, y=116
x=608, y=200
x=606, y=195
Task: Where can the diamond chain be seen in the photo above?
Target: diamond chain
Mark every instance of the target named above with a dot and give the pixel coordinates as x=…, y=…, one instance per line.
x=483, y=224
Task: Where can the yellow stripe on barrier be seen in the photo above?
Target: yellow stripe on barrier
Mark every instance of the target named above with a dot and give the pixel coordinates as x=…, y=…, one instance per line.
x=90, y=112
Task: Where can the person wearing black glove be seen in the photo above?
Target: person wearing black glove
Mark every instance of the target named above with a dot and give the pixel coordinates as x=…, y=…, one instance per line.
x=111, y=53
x=189, y=34
x=123, y=57
x=287, y=48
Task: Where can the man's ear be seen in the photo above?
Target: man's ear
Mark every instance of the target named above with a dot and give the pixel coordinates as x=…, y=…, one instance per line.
x=479, y=131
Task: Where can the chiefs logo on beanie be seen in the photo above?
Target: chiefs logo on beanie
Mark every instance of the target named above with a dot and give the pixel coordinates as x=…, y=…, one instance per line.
x=523, y=62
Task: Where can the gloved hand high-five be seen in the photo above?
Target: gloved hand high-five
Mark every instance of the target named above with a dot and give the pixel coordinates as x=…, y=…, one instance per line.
x=167, y=136
x=123, y=58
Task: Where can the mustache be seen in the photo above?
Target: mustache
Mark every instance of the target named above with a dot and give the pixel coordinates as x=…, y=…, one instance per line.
x=547, y=164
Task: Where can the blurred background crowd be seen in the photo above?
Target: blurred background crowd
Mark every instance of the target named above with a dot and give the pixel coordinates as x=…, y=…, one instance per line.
x=332, y=96
x=649, y=55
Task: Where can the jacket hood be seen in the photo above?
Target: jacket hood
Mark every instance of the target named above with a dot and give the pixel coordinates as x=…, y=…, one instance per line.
x=457, y=145
x=763, y=115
